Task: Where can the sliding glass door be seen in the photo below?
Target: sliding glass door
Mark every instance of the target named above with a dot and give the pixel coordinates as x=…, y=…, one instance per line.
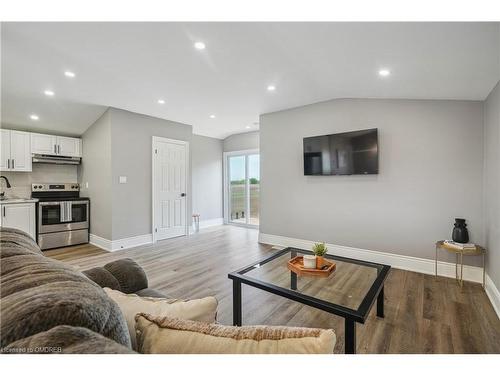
x=242, y=188
x=237, y=189
x=253, y=167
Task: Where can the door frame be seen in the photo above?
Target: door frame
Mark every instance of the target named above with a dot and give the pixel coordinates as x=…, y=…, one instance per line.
x=153, y=189
x=225, y=165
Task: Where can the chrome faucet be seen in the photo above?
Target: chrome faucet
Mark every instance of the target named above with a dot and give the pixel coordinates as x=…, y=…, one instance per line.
x=2, y=194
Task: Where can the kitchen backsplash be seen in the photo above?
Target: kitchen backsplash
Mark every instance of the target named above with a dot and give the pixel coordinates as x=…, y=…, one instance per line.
x=43, y=173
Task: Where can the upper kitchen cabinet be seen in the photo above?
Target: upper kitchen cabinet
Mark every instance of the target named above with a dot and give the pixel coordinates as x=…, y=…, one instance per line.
x=44, y=144
x=4, y=149
x=15, y=155
x=67, y=146
x=54, y=145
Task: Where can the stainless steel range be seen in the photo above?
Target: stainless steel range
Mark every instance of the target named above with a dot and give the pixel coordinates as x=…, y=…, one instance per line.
x=62, y=216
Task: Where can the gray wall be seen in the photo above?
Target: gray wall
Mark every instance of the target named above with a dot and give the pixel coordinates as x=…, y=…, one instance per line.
x=120, y=144
x=492, y=183
x=131, y=153
x=207, y=175
x=243, y=141
x=430, y=155
x=96, y=171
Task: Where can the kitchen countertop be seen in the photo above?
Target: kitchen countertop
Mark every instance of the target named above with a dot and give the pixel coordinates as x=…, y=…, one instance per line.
x=18, y=200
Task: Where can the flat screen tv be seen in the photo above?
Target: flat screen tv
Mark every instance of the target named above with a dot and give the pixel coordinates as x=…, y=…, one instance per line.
x=342, y=153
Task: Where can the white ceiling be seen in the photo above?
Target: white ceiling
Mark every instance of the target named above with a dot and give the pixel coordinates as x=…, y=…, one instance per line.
x=132, y=65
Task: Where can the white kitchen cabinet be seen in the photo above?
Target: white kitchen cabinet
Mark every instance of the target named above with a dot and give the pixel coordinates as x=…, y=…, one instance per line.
x=15, y=154
x=18, y=215
x=68, y=146
x=46, y=144
x=20, y=153
x=4, y=149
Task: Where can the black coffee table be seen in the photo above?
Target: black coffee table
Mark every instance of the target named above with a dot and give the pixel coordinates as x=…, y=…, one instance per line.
x=350, y=291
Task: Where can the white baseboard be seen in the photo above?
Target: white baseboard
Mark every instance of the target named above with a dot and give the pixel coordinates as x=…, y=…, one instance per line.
x=101, y=242
x=403, y=262
x=493, y=294
x=121, y=244
x=208, y=223
x=125, y=243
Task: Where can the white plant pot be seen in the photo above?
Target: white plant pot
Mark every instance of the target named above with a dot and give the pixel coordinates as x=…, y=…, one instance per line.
x=310, y=261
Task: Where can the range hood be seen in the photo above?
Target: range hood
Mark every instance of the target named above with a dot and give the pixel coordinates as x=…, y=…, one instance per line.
x=56, y=159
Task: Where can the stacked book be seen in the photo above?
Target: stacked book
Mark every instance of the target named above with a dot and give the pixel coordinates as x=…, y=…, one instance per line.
x=460, y=246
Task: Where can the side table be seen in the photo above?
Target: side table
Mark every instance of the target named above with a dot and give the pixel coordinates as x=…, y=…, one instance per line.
x=459, y=253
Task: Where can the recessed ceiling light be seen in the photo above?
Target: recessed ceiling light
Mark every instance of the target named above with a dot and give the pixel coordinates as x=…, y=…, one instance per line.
x=271, y=88
x=384, y=72
x=49, y=92
x=69, y=74
x=247, y=127
x=212, y=116
x=34, y=117
x=161, y=101
x=199, y=45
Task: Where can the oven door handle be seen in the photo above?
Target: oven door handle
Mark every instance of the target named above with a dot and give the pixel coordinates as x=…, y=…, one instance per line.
x=69, y=214
x=49, y=203
x=62, y=212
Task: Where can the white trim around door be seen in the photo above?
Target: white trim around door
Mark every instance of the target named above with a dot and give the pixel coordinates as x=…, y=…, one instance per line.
x=225, y=165
x=182, y=195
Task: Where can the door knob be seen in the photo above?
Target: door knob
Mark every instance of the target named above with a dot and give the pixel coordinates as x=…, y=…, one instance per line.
x=183, y=194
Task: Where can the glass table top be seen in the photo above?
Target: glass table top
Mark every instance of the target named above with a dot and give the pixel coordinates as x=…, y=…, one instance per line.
x=347, y=286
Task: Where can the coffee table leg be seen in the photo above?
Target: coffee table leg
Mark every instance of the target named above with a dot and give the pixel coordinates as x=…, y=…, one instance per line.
x=293, y=276
x=293, y=280
x=236, y=303
x=380, y=303
x=350, y=336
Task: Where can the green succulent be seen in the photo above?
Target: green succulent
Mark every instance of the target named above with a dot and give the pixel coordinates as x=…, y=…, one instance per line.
x=319, y=249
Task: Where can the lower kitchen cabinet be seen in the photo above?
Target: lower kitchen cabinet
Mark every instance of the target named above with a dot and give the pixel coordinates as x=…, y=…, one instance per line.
x=18, y=215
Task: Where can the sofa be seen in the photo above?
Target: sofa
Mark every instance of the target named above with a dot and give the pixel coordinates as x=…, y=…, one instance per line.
x=48, y=306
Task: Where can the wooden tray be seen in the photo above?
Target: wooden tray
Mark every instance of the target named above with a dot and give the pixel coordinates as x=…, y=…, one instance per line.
x=296, y=265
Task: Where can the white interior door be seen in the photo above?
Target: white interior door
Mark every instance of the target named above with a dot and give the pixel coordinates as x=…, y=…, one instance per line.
x=170, y=163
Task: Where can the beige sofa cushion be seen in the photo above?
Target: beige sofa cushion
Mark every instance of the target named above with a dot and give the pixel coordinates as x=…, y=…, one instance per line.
x=204, y=309
x=164, y=335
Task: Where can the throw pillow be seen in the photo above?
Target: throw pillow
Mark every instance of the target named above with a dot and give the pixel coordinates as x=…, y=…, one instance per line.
x=204, y=309
x=165, y=335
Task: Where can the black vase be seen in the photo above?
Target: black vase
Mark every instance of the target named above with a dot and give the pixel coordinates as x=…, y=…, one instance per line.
x=460, y=233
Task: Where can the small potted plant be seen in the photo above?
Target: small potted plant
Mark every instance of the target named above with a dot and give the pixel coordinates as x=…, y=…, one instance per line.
x=319, y=249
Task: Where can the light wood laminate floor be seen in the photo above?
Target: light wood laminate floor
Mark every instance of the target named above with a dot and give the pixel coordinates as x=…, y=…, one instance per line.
x=423, y=314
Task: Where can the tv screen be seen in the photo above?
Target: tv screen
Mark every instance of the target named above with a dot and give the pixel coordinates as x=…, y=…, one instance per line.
x=342, y=153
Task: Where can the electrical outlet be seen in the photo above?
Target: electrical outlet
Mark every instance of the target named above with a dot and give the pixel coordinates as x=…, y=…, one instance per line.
x=123, y=179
